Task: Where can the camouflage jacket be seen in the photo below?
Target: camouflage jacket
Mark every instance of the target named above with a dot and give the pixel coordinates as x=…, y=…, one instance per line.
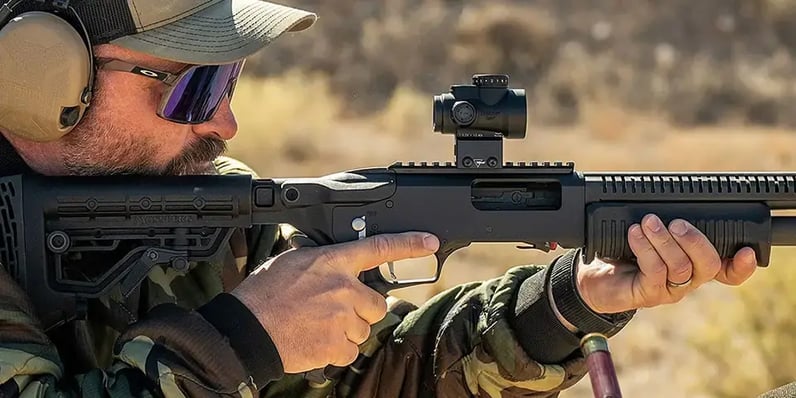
x=180, y=335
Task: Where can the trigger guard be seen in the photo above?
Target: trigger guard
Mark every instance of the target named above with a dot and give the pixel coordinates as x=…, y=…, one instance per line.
x=376, y=281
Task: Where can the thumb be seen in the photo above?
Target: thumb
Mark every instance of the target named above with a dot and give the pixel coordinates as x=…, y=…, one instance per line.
x=370, y=252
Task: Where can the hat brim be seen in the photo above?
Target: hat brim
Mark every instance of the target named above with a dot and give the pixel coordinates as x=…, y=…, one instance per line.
x=222, y=33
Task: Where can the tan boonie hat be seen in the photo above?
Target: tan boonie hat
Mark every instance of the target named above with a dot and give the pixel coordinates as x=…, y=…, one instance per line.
x=190, y=31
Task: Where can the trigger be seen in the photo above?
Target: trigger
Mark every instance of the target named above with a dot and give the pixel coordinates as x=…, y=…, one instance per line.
x=391, y=267
x=298, y=241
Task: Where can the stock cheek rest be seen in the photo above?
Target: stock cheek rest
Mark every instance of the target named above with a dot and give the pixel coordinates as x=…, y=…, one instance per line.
x=45, y=76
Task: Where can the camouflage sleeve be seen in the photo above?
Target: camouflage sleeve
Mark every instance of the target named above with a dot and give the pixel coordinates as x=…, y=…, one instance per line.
x=497, y=338
x=171, y=353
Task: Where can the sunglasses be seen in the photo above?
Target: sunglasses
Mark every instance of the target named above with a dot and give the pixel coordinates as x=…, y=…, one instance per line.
x=194, y=94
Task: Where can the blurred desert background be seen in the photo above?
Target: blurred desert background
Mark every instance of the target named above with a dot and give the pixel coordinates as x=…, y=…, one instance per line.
x=611, y=85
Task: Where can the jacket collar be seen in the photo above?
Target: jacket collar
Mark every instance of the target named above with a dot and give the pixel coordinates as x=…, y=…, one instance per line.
x=10, y=161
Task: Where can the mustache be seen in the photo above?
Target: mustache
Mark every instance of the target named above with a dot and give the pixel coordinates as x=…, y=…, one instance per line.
x=197, y=158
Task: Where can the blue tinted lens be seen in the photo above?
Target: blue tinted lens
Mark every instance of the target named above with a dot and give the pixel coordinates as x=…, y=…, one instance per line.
x=197, y=95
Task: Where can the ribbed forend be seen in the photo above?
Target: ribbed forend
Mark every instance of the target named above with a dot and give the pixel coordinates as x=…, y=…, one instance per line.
x=725, y=235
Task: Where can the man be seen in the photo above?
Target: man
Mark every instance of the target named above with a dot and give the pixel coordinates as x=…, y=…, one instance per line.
x=236, y=329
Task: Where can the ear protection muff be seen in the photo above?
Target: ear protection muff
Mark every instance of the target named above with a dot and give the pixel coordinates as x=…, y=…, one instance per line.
x=46, y=74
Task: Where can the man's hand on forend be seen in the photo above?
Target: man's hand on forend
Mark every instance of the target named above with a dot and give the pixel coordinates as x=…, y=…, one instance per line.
x=672, y=262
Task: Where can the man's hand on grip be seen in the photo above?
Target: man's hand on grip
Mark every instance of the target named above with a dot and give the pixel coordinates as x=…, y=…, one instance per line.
x=312, y=304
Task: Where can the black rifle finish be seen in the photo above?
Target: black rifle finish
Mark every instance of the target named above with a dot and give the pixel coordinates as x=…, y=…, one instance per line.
x=59, y=233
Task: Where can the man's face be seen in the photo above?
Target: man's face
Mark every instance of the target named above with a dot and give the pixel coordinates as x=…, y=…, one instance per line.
x=122, y=134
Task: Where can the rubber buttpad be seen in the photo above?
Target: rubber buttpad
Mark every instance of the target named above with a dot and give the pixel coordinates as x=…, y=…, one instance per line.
x=44, y=68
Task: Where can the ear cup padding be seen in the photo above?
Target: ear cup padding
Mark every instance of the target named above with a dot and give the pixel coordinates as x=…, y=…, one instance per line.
x=45, y=69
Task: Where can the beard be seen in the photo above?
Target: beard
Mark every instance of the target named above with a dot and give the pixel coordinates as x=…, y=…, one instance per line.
x=197, y=158
x=99, y=147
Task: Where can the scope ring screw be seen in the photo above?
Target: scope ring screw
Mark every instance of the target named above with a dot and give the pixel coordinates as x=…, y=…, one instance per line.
x=467, y=162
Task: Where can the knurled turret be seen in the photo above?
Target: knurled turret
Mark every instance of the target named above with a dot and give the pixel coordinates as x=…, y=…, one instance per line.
x=498, y=81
